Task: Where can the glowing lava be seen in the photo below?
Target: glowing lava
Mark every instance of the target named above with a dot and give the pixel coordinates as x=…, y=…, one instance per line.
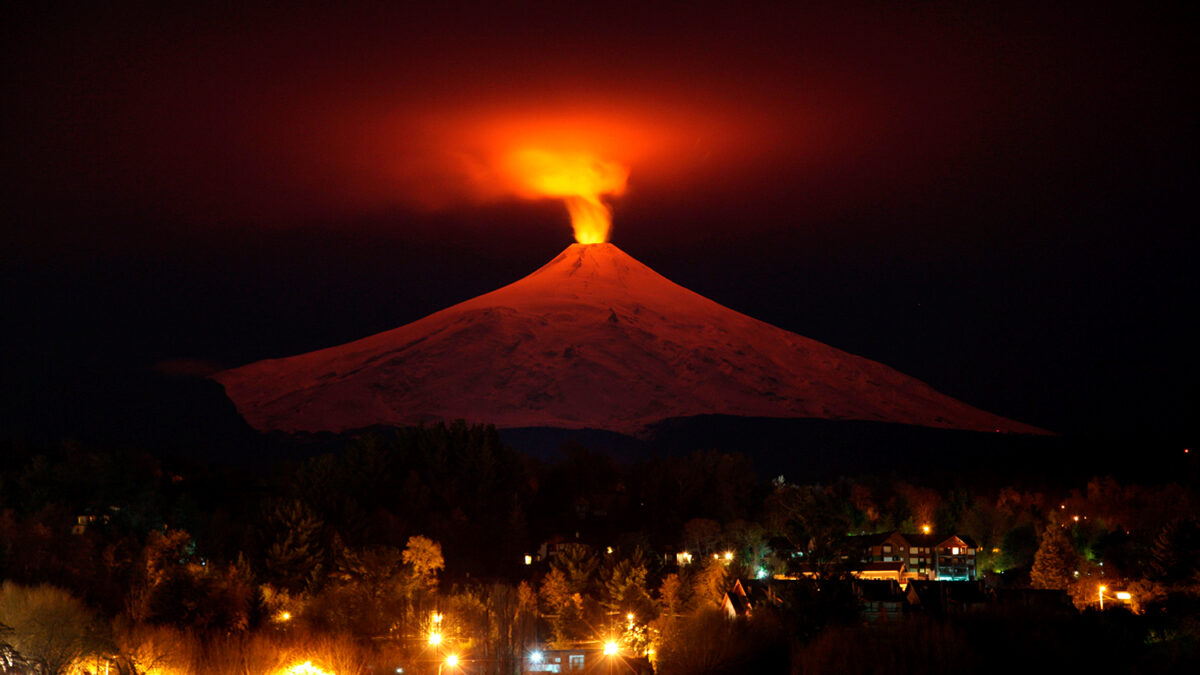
x=578, y=178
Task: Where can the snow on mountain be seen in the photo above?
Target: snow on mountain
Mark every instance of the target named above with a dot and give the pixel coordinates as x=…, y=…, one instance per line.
x=593, y=339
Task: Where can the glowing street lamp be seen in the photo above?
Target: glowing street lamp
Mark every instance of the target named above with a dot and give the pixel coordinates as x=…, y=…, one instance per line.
x=1102, y=589
x=926, y=529
x=451, y=661
x=435, y=639
x=610, y=648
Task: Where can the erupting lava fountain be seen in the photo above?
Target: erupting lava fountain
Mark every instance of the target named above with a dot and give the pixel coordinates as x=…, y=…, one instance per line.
x=593, y=339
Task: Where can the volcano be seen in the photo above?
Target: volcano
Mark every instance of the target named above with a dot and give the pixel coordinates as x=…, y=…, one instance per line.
x=593, y=339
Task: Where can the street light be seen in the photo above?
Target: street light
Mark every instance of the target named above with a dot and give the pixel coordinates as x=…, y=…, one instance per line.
x=451, y=661
x=1102, y=589
x=610, y=648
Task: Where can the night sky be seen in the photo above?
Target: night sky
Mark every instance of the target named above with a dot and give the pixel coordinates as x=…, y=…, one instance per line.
x=998, y=201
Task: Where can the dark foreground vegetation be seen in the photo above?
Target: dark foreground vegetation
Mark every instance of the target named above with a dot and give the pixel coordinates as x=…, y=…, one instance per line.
x=119, y=560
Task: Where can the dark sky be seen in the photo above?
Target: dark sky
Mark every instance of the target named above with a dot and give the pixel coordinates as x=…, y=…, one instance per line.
x=996, y=200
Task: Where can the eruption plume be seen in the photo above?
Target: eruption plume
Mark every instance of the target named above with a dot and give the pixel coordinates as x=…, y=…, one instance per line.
x=580, y=179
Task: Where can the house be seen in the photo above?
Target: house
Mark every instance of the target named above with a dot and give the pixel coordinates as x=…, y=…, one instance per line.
x=745, y=595
x=590, y=658
x=881, y=601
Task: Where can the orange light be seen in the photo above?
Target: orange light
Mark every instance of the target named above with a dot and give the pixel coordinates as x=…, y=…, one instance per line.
x=926, y=529
x=610, y=648
x=578, y=178
x=306, y=668
x=435, y=639
x=452, y=660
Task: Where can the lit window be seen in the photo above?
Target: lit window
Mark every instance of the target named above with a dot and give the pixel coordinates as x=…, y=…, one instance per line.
x=954, y=551
x=575, y=662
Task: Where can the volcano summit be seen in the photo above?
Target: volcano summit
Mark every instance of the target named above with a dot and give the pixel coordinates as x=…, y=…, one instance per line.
x=593, y=339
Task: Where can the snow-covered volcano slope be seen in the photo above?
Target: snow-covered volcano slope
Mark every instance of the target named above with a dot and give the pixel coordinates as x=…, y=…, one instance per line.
x=593, y=339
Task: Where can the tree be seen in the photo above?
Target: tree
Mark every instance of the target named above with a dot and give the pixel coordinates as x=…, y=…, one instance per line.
x=50, y=627
x=1054, y=560
x=670, y=604
x=813, y=520
x=579, y=564
x=424, y=555
x=174, y=586
x=296, y=554
x=370, y=593
x=1175, y=554
x=710, y=583
x=142, y=649
x=563, y=609
x=625, y=587
x=701, y=536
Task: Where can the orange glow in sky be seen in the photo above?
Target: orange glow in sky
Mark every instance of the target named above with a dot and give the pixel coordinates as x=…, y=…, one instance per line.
x=581, y=179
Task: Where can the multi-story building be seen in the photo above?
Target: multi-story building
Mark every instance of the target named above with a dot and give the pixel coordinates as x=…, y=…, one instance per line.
x=925, y=556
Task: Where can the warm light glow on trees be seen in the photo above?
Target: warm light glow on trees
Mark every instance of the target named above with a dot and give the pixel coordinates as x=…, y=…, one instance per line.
x=1054, y=560
x=306, y=668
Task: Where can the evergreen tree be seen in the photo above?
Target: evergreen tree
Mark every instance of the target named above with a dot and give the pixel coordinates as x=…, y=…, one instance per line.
x=1175, y=554
x=579, y=564
x=295, y=557
x=1054, y=560
x=625, y=588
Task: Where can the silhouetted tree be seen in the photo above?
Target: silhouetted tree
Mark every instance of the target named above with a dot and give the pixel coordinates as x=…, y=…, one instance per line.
x=295, y=556
x=1175, y=554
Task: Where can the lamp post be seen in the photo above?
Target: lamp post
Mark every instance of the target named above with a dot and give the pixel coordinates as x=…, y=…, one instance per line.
x=1102, y=589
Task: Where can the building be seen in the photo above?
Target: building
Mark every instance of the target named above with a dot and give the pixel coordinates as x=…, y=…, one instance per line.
x=939, y=598
x=591, y=659
x=745, y=595
x=928, y=557
x=880, y=601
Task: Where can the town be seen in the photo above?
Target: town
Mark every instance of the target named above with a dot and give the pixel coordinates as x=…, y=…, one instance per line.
x=440, y=549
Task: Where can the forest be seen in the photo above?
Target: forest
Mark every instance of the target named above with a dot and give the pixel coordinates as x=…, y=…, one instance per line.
x=350, y=555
